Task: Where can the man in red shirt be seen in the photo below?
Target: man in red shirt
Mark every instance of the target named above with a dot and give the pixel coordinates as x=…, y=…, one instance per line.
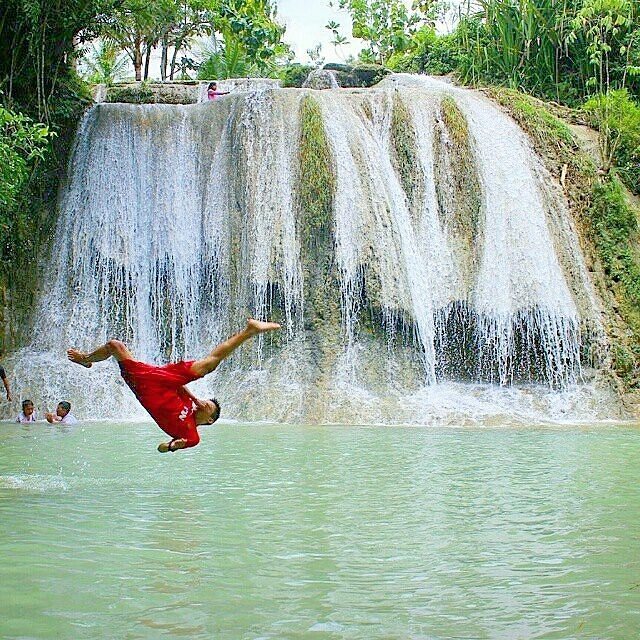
x=162, y=391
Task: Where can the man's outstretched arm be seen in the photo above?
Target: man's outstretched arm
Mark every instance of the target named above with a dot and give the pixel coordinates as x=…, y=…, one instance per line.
x=5, y=382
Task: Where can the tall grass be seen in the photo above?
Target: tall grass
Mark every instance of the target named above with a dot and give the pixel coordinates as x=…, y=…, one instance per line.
x=526, y=44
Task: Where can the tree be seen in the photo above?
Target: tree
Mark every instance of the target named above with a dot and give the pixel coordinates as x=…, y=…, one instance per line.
x=136, y=26
x=37, y=49
x=253, y=26
x=247, y=36
x=605, y=24
x=386, y=25
x=315, y=55
x=105, y=65
x=191, y=18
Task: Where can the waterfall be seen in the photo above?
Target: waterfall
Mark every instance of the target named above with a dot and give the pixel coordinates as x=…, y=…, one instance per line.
x=442, y=282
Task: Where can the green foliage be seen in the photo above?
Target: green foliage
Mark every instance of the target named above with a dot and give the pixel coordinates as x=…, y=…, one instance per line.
x=618, y=116
x=22, y=143
x=37, y=78
x=602, y=24
x=229, y=62
x=548, y=47
x=360, y=75
x=105, y=65
x=294, y=75
x=429, y=53
x=386, y=25
x=545, y=129
x=615, y=226
x=37, y=51
x=136, y=26
x=317, y=182
x=252, y=26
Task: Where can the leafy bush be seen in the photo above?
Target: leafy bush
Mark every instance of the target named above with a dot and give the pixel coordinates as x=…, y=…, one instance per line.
x=614, y=222
x=618, y=117
x=430, y=53
x=22, y=143
x=231, y=61
x=294, y=75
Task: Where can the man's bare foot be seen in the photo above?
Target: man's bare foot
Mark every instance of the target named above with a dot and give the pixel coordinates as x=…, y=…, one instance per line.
x=78, y=357
x=256, y=326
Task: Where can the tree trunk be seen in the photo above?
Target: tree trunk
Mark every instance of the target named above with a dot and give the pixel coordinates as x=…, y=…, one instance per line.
x=137, y=58
x=174, y=58
x=146, y=62
x=163, y=58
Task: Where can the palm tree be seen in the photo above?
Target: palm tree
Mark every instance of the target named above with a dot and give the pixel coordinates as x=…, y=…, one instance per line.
x=106, y=64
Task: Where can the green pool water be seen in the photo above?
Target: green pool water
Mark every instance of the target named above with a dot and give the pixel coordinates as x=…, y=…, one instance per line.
x=320, y=532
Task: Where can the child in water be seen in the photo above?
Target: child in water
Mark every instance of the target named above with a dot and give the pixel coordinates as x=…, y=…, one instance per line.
x=28, y=413
x=213, y=93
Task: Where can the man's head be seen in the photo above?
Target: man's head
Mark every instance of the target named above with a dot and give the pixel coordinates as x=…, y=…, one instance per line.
x=209, y=413
x=62, y=409
x=27, y=407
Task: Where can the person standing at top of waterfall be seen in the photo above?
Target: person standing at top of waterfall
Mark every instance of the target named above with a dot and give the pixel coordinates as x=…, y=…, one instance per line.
x=213, y=93
x=161, y=390
x=5, y=382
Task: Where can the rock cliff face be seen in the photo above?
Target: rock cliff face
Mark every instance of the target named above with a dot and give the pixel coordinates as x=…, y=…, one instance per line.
x=418, y=254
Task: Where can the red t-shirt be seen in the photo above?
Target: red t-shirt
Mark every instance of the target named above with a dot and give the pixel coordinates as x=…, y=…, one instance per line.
x=158, y=390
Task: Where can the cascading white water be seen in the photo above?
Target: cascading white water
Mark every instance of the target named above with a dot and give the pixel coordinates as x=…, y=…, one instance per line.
x=178, y=222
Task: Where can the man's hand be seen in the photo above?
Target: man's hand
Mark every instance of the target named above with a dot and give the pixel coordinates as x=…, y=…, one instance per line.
x=51, y=417
x=8, y=397
x=163, y=447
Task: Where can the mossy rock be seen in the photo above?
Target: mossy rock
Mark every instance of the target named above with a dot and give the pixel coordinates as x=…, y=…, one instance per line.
x=457, y=181
x=357, y=76
x=317, y=185
x=131, y=93
x=404, y=152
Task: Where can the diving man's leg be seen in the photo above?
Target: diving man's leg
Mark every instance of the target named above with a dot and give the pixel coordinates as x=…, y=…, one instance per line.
x=113, y=348
x=225, y=349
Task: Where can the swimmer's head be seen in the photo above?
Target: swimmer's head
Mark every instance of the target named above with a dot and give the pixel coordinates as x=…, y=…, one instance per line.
x=62, y=409
x=209, y=413
x=27, y=407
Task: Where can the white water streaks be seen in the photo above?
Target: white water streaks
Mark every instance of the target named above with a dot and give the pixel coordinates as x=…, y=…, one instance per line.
x=178, y=222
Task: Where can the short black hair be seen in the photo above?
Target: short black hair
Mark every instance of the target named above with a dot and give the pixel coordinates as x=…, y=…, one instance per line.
x=65, y=405
x=211, y=85
x=216, y=414
x=27, y=402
